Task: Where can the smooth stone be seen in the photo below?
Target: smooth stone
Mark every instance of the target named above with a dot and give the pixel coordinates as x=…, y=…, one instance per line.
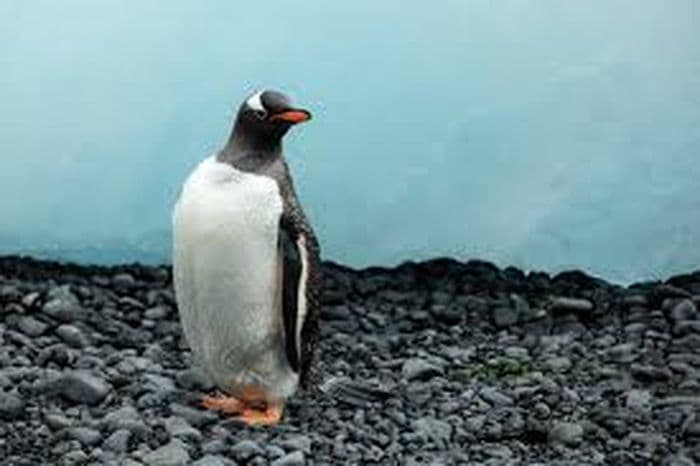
x=292, y=459
x=126, y=417
x=685, y=309
x=246, y=449
x=638, y=399
x=194, y=379
x=57, y=421
x=195, y=417
x=71, y=335
x=31, y=326
x=118, y=441
x=650, y=372
x=623, y=353
x=575, y=305
x=558, y=364
x=171, y=454
x=495, y=396
x=81, y=386
x=156, y=313
x=11, y=406
x=178, y=427
x=505, y=316
x=123, y=280
x=566, y=433
x=419, y=369
x=431, y=428
x=212, y=460
x=86, y=436
x=296, y=442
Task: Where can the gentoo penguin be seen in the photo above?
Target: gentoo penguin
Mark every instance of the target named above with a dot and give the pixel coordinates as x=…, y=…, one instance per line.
x=246, y=266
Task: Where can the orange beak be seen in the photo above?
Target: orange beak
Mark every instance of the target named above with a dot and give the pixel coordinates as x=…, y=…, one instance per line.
x=292, y=116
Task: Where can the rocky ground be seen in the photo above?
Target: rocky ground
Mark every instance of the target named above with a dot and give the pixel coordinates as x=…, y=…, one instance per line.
x=464, y=364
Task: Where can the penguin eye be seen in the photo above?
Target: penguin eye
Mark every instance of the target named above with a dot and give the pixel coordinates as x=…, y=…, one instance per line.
x=260, y=114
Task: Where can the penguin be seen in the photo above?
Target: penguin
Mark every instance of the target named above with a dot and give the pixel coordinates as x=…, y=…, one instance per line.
x=246, y=267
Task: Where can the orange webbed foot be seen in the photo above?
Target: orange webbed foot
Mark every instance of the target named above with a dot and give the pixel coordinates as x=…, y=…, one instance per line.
x=269, y=416
x=252, y=413
x=223, y=403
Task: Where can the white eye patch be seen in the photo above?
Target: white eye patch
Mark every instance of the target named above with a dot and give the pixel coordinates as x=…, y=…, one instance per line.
x=255, y=102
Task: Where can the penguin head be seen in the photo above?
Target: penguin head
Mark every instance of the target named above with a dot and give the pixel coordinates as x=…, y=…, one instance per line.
x=267, y=115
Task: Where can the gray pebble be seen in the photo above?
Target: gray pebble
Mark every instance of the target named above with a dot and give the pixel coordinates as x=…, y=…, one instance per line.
x=178, y=427
x=246, y=449
x=31, y=326
x=292, y=459
x=11, y=406
x=126, y=417
x=57, y=421
x=495, y=396
x=566, y=433
x=505, y=316
x=196, y=417
x=431, y=428
x=86, y=436
x=638, y=399
x=558, y=364
x=684, y=310
x=623, y=353
x=156, y=313
x=296, y=442
x=71, y=335
x=212, y=460
x=171, y=454
x=194, y=379
x=83, y=387
x=419, y=369
x=118, y=441
x=123, y=281
x=572, y=305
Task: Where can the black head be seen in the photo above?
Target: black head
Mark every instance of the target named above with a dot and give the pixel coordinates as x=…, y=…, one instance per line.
x=264, y=118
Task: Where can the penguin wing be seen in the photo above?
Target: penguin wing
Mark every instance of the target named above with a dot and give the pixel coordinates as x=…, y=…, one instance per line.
x=294, y=275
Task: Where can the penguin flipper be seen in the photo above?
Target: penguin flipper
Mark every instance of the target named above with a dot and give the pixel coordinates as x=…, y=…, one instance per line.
x=292, y=268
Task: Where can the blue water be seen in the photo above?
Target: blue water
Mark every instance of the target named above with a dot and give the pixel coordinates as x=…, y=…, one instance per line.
x=545, y=134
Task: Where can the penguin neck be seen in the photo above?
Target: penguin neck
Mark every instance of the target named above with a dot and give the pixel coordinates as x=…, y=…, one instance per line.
x=250, y=151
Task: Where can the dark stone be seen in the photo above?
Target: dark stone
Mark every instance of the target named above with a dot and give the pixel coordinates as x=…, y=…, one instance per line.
x=505, y=316
x=419, y=369
x=83, y=387
x=11, y=406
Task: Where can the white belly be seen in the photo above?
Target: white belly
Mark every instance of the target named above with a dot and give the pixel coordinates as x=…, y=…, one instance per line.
x=226, y=276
